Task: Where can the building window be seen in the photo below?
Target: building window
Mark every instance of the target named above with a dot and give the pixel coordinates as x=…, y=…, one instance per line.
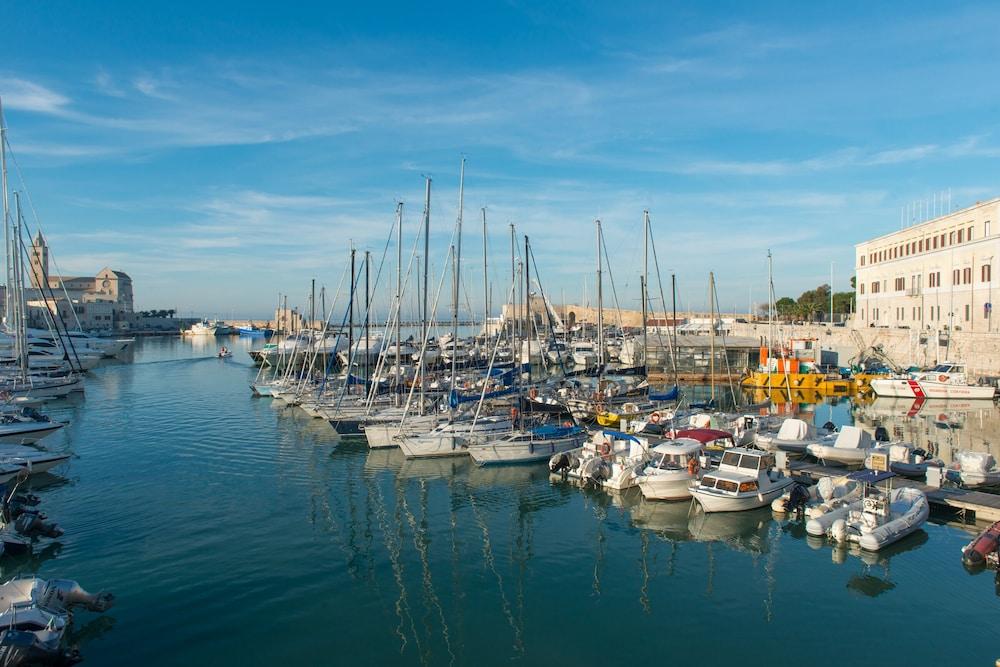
x=986, y=229
x=969, y=235
x=956, y=277
x=862, y=286
x=960, y=235
x=920, y=245
x=862, y=260
x=985, y=273
x=875, y=287
x=943, y=237
x=900, y=284
x=967, y=309
x=967, y=276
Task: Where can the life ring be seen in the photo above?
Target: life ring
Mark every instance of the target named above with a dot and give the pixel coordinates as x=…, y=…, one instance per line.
x=654, y=418
x=942, y=378
x=604, y=449
x=693, y=466
x=533, y=393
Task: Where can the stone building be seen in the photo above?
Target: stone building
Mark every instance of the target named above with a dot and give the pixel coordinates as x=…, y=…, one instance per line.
x=100, y=302
x=936, y=275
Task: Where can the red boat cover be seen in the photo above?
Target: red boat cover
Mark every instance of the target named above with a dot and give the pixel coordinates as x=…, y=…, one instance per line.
x=704, y=435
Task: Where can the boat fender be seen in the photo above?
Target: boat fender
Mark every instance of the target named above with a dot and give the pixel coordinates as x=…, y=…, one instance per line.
x=838, y=530
x=693, y=466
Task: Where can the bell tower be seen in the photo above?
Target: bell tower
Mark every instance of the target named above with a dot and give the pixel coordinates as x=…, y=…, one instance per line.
x=39, y=262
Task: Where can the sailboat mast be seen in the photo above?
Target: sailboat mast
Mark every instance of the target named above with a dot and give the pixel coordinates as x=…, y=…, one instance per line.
x=673, y=302
x=6, y=211
x=457, y=277
x=600, y=303
x=645, y=288
x=399, y=292
x=527, y=303
x=350, y=321
x=21, y=334
x=513, y=305
x=424, y=326
x=486, y=283
x=368, y=310
x=711, y=324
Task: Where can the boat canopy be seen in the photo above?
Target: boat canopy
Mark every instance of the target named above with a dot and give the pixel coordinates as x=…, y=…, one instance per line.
x=705, y=435
x=680, y=446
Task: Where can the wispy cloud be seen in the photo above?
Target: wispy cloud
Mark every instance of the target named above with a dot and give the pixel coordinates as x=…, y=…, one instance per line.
x=26, y=95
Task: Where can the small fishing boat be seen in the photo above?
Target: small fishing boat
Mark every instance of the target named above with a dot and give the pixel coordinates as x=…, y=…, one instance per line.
x=984, y=550
x=25, y=427
x=672, y=467
x=225, y=353
x=850, y=447
x=251, y=331
x=203, y=328
x=885, y=516
x=744, y=480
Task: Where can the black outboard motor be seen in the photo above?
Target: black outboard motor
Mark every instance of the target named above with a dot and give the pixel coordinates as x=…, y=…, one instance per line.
x=881, y=434
x=797, y=498
x=36, y=523
x=19, y=647
x=560, y=464
x=830, y=426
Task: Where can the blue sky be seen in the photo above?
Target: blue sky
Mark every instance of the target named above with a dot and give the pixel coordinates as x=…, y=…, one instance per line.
x=224, y=153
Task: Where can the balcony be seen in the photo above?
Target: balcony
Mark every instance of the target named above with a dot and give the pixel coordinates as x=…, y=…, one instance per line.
x=912, y=291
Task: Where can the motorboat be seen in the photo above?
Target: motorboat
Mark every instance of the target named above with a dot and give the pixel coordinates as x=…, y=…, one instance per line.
x=744, y=480
x=609, y=459
x=203, y=328
x=946, y=380
x=33, y=460
x=793, y=436
x=528, y=445
x=886, y=515
x=36, y=615
x=672, y=467
x=850, y=447
x=903, y=459
x=973, y=469
x=584, y=353
x=225, y=353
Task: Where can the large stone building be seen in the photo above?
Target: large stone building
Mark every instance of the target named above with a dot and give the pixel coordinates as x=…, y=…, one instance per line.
x=101, y=302
x=936, y=275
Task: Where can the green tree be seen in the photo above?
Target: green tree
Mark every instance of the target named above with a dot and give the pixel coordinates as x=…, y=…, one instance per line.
x=786, y=307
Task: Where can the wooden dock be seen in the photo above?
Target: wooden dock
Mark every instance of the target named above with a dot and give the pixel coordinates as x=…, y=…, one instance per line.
x=971, y=504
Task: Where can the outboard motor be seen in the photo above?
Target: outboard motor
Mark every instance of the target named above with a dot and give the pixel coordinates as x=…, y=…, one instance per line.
x=830, y=426
x=64, y=594
x=559, y=463
x=20, y=647
x=797, y=498
x=881, y=434
x=36, y=523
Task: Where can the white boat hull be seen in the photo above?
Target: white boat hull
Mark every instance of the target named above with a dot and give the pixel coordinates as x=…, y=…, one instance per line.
x=715, y=502
x=904, y=388
x=521, y=452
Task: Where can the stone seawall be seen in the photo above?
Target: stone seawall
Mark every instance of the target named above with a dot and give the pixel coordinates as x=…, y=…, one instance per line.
x=979, y=351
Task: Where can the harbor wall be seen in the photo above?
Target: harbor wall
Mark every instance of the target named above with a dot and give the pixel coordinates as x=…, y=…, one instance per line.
x=980, y=351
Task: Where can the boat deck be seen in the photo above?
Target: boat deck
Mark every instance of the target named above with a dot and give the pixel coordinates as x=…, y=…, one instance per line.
x=973, y=504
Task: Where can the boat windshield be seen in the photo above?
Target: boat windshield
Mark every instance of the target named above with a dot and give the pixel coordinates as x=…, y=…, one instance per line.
x=732, y=459
x=942, y=368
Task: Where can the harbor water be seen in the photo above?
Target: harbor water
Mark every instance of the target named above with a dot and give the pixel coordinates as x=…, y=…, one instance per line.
x=234, y=530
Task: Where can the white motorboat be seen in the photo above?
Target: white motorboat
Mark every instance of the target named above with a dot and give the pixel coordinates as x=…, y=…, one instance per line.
x=850, y=447
x=903, y=459
x=203, y=328
x=744, y=480
x=885, y=516
x=584, y=353
x=672, y=467
x=388, y=434
x=609, y=459
x=527, y=446
x=946, y=380
x=793, y=436
x=35, y=461
x=38, y=613
x=974, y=469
